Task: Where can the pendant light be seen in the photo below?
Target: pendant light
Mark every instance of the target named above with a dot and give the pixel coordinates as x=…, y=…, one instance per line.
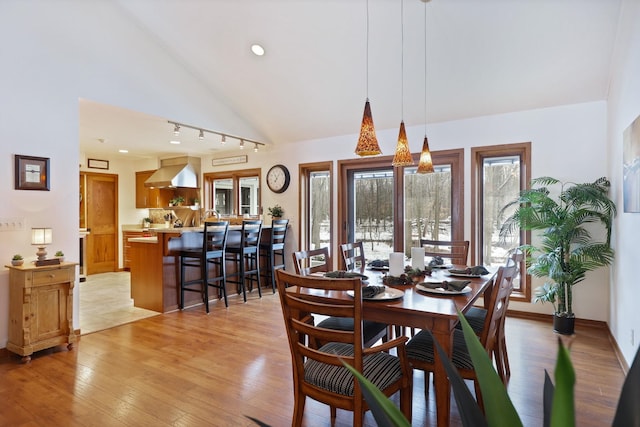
x=426, y=164
x=367, y=141
x=402, y=156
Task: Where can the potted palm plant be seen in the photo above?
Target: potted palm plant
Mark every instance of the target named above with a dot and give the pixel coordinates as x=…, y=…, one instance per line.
x=567, y=249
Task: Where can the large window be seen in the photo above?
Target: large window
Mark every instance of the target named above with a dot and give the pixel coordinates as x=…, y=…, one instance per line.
x=316, y=207
x=390, y=209
x=233, y=193
x=499, y=173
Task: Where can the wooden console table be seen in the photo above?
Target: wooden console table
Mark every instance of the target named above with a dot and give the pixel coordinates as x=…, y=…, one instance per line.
x=40, y=307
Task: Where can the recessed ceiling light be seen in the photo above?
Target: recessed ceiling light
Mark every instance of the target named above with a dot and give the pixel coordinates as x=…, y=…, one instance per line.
x=257, y=49
x=123, y=151
x=174, y=142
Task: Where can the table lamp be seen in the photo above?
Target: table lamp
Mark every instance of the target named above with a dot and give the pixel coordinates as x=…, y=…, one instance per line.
x=41, y=237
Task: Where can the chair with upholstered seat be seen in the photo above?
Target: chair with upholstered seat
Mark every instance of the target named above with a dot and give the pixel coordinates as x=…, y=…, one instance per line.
x=319, y=373
x=420, y=348
x=353, y=256
x=209, y=253
x=318, y=261
x=476, y=317
x=273, y=251
x=246, y=255
x=457, y=251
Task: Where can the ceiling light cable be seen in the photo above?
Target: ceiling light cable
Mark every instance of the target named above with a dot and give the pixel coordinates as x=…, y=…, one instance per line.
x=402, y=156
x=425, y=165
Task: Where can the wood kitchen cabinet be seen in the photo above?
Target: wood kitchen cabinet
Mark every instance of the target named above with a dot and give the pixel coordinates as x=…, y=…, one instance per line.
x=40, y=308
x=147, y=197
x=126, y=246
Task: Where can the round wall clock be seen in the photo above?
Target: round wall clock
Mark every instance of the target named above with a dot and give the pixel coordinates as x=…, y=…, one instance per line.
x=278, y=178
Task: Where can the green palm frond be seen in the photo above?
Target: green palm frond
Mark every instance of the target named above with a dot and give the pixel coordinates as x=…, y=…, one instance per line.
x=567, y=250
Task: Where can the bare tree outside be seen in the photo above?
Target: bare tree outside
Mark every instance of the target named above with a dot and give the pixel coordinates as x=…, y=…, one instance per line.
x=501, y=184
x=319, y=206
x=427, y=208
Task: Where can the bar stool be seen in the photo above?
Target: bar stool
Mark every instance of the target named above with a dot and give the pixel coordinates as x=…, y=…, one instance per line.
x=211, y=253
x=274, y=248
x=246, y=255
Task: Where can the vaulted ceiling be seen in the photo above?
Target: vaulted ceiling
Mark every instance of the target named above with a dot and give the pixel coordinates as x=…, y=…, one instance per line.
x=482, y=57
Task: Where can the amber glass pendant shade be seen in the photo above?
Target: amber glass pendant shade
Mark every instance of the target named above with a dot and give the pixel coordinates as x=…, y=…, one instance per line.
x=426, y=164
x=367, y=142
x=403, y=154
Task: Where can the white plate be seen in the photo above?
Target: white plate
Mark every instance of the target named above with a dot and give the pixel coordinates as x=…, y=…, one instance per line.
x=388, y=294
x=441, y=291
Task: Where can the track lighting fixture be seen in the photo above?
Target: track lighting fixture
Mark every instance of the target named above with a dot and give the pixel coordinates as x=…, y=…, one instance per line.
x=223, y=136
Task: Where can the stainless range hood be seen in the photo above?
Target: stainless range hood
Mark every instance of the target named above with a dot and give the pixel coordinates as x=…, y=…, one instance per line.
x=179, y=172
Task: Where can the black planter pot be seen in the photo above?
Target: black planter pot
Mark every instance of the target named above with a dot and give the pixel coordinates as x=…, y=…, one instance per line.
x=564, y=325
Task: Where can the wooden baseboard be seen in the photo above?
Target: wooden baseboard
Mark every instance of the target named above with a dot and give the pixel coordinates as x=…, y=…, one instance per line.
x=579, y=322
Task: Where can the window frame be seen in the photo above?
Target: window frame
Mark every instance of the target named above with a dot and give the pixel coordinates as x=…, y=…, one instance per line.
x=454, y=157
x=304, y=206
x=235, y=176
x=478, y=156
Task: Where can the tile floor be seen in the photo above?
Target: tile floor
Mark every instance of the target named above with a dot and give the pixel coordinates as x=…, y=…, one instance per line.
x=105, y=302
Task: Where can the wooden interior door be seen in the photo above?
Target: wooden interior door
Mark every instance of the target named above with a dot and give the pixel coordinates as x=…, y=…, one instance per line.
x=101, y=206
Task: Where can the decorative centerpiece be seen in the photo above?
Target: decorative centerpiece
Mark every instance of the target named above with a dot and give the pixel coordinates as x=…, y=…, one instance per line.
x=60, y=256
x=410, y=276
x=17, y=260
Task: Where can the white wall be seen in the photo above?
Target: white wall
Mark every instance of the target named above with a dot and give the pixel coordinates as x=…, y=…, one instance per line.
x=54, y=53
x=623, y=108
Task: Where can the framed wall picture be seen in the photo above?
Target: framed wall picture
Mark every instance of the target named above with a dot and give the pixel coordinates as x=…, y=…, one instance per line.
x=631, y=167
x=31, y=173
x=98, y=164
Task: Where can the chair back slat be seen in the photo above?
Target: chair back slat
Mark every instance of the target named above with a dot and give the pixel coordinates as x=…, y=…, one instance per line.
x=455, y=250
x=251, y=233
x=303, y=295
x=353, y=256
x=278, y=233
x=498, y=304
x=312, y=261
x=214, y=236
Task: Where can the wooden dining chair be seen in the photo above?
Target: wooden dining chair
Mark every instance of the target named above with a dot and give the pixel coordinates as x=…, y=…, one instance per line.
x=312, y=261
x=353, y=256
x=476, y=317
x=457, y=251
x=319, y=373
x=318, y=261
x=420, y=348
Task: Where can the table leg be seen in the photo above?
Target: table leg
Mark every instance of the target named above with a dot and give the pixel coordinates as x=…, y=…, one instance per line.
x=444, y=336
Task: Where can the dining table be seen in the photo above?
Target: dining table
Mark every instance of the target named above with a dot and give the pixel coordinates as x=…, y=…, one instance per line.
x=437, y=311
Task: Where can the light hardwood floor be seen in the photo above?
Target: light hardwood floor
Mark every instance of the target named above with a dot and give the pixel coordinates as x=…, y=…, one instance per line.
x=192, y=369
x=105, y=302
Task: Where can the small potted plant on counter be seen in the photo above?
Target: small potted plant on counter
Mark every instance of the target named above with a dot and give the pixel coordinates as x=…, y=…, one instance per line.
x=17, y=260
x=60, y=255
x=146, y=222
x=276, y=212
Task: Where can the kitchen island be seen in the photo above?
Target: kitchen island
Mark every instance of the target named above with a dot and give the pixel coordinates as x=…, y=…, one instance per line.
x=155, y=267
